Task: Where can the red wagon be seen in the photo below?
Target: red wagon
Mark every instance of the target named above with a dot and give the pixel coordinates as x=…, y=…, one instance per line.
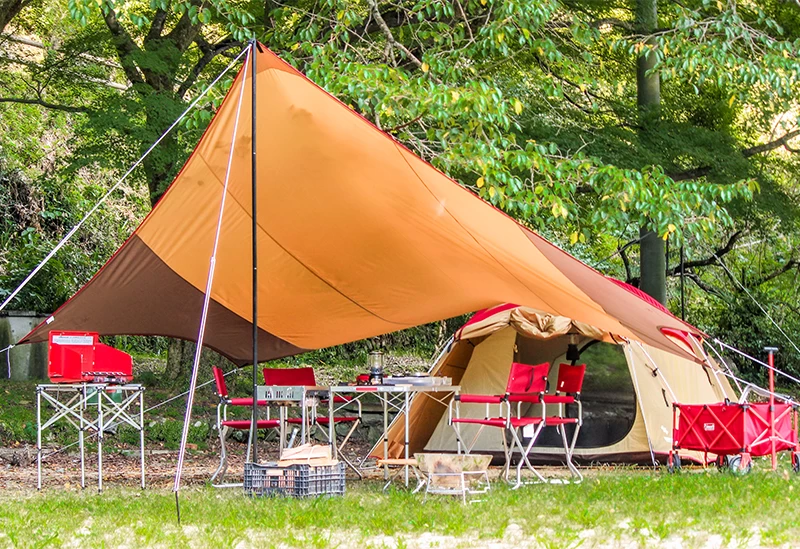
x=734, y=432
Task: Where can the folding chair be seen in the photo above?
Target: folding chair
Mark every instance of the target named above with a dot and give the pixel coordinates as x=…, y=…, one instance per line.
x=568, y=391
x=224, y=425
x=526, y=384
x=305, y=377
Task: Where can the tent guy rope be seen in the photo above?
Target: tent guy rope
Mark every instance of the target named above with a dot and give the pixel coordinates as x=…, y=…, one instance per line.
x=209, y=284
x=755, y=360
x=116, y=185
x=763, y=310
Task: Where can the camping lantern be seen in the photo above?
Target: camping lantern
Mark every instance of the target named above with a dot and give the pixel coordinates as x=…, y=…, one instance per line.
x=573, y=354
x=376, y=367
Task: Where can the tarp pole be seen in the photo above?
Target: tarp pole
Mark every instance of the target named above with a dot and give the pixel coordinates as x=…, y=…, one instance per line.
x=207, y=298
x=254, y=418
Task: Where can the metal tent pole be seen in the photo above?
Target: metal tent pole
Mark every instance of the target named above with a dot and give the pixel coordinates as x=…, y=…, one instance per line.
x=254, y=419
x=683, y=285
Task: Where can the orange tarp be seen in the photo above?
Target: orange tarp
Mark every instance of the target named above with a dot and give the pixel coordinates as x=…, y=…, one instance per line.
x=357, y=237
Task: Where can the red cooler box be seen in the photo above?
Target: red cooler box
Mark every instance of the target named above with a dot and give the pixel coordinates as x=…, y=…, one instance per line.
x=79, y=357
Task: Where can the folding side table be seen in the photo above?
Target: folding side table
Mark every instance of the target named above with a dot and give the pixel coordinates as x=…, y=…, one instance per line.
x=90, y=407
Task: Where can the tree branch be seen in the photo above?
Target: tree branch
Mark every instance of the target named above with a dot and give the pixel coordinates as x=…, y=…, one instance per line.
x=210, y=51
x=705, y=287
x=702, y=171
x=124, y=45
x=404, y=124
x=772, y=145
x=789, y=265
x=157, y=26
x=184, y=32
x=623, y=254
x=376, y=13
x=676, y=271
x=45, y=104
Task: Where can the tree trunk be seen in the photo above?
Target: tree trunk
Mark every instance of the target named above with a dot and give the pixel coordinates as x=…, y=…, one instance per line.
x=648, y=95
x=180, y=355
x=9, y=9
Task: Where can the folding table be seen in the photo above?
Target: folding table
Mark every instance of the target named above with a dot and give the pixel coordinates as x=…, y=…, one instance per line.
x=397, y=398
x=90, y=407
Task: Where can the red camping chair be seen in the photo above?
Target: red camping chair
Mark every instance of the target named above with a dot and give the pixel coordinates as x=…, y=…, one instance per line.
x=224, y=425
x=568, y=391
x=526, y=384
x=305, y=377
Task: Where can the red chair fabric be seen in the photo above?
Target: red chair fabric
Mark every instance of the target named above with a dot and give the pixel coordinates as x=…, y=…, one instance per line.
x=290, y=376
x=219, y=378
x=480, y=399
x=570, y=378
x=527, y=379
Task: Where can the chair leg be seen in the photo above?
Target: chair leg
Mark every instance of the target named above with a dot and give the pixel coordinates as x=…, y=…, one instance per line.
x=569, y=449
x=524, y=451
x=223, y=457
x=219, y=474
x=507, y=465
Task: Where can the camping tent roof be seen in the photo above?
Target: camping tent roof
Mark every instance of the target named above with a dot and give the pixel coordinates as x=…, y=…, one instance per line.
x=357, y=237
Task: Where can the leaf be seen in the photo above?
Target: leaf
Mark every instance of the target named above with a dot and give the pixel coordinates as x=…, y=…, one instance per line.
x=483, y=2
x=480, y=182
x=492, y=192
x=731, y=100
x=425, y=67
x=666, y=235
x=671, y=228
x=517, y=106
x=573, y=238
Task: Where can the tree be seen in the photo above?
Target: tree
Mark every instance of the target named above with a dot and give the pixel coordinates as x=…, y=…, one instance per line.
x=10, y=9
x=648, y=97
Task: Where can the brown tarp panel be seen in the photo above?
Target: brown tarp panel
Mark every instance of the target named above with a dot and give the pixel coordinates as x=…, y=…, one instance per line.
x=357, y=237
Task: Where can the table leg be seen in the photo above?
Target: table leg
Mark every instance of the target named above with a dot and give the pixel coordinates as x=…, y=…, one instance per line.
x=405, y=433
x=331, y=426
x=385, y=435
x=141, y=433
x=99, y=395
x=303, y=420
x=39, y=439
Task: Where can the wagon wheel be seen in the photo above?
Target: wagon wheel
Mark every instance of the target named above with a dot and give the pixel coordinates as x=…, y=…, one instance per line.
x=796, y=462
x=735, y=465
x=674, y=463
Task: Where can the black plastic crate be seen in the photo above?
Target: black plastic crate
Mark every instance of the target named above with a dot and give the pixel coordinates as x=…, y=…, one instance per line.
x=298, y=480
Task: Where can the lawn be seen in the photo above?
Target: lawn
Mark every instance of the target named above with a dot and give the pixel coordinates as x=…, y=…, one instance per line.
x=611, y=508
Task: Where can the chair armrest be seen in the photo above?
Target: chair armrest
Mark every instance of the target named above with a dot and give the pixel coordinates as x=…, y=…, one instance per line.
x=533, y=399
x=480, y=399
x=558, y=399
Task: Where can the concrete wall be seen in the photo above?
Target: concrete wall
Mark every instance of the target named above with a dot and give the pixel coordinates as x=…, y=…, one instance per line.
x=25, y=361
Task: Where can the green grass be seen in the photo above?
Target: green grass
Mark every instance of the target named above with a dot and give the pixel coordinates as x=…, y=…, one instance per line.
x=628, y=506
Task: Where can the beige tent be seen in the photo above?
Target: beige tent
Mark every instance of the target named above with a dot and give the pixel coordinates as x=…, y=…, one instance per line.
x=627, y=395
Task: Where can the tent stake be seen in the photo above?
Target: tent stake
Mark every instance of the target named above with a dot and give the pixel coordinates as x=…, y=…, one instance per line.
x=254, y=419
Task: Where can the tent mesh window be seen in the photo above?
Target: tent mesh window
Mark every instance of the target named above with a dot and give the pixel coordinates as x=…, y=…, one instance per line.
x=609, y=400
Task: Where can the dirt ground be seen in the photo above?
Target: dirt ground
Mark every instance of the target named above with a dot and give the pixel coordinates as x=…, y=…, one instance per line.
x=62, y=469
